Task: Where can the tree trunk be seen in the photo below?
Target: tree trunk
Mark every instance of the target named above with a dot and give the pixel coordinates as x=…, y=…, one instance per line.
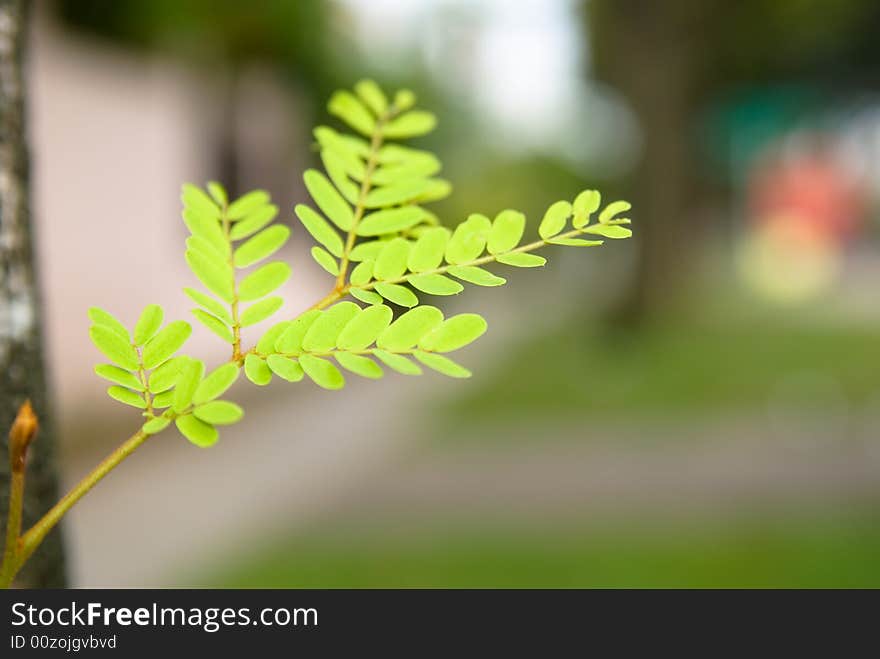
x=22, y=375
x=647, y=51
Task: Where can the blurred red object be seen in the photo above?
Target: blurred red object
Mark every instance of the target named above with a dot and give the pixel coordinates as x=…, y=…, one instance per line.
x=813, y=193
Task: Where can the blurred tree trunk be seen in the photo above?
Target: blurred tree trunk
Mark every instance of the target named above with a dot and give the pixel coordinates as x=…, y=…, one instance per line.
x=21, y=367
x=649, y=52
x=228, y=151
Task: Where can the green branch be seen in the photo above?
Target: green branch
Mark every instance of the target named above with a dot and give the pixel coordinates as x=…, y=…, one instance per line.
x=402, y=243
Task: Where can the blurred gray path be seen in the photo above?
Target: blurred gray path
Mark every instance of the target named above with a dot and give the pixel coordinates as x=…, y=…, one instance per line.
x=303, y=456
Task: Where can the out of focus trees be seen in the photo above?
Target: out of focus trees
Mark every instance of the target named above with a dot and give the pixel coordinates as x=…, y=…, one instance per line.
x=669, y=60
x=222, y=38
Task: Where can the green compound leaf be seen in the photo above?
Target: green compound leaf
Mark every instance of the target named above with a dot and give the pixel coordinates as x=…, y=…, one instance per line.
x=613, y=209
x=362, y=273
x=391, y=220
x=104, y=318
x=358, y=364
x=428, y=251
x=609, y=231
x=476, y=275
x=206, y=228
x=468, y=240
x=411, y=124
x=195, y=198
x=263, y=281
x=436, y=189
x=322, y=372
x=329, y=138
x=257, y=371
x=213, y=251
x=398, y=294
x=328, y=199
x=408, y=330
x=347, y=107
x=325, y=330
x=218, y=193
x=156, y=425
x=261, y=246
x=372, y=95
x=521, y=260
x=285, y=368
x=127, y=396
x=397, y=363
x=391, y=262
x=364, y=328
x=367, y=251
x=216, y=383
x=442, y=365
x=291, y=339
x=397, y=154
x=164, y=377
x=324, y=259
x=398, y=193
x=260, y=311
x=419, y=167
x=163, y=400
x=216, y=307
x=119, y=376
x=554, y=219
x=215, y=275
x=197, y=431
x=114, y=347
x=340, y=160
x=247, y=204
x=367, y=297
x=191, y=371
x=575, y=242
x=214, y=324
x=506, y=232
x=266, y=344
x=168, y=341
x=454, y=333
x=338, y=172
x=319, y=229
x=404, y=99
x=435, y=284
x=148, y=324
x=253, y=222
x=219, y=413
x=585, y=204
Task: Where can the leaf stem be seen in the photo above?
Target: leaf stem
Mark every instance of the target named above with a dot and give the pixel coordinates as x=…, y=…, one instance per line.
x=35, y=535
x=236, y=325
x=13, y=528
x=360, y=207
x=376, y=139
x=330, y=298
x=145, y=381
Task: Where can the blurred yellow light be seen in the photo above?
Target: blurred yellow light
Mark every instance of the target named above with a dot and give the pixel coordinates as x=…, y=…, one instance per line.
x=785, y=263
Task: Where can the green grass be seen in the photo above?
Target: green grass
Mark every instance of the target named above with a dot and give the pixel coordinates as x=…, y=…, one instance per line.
x=674, y=371
x=822, y=551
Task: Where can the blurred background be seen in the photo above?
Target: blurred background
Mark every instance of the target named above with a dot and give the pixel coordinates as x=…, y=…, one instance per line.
x=698, y=406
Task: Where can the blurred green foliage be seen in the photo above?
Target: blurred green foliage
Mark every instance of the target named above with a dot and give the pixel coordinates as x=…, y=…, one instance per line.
x=679, y=370
x=819, y=551
x=292, y=35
